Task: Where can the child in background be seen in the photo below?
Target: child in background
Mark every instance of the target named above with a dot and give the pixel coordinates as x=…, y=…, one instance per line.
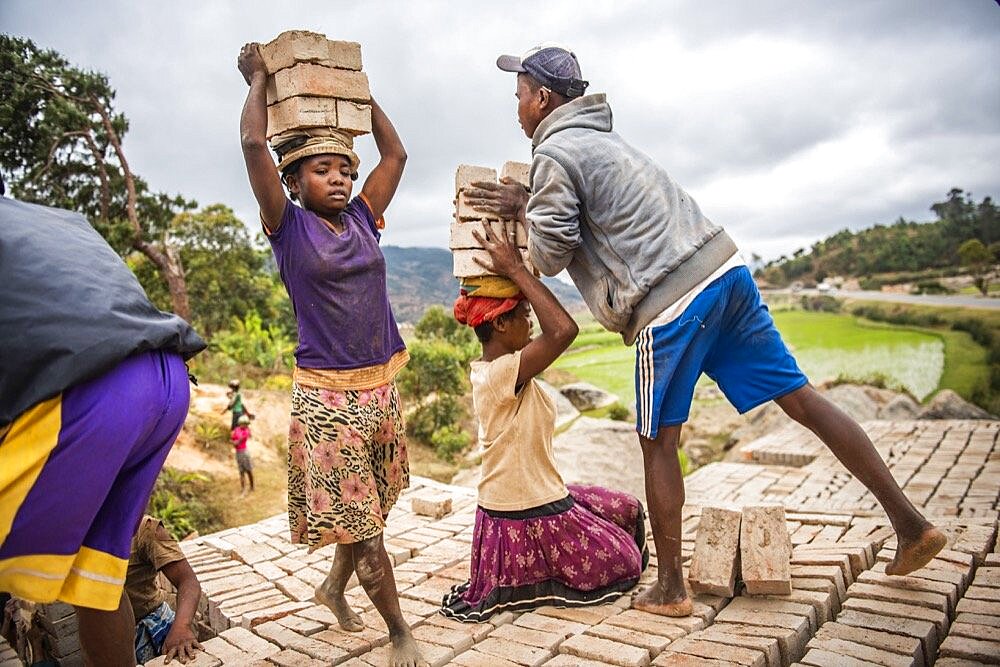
x=536, y=541
x=239, y=436
x=236, y=403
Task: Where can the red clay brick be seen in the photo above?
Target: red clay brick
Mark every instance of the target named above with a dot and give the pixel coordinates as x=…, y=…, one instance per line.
x=605, y=650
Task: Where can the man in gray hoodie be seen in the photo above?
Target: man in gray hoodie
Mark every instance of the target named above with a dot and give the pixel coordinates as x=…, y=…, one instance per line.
x=652, y=267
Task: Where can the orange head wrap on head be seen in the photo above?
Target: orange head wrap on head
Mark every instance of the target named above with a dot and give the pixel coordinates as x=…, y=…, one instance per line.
x=474, y=310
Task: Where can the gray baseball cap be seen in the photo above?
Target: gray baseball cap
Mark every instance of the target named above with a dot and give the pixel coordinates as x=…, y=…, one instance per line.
x=553, y=66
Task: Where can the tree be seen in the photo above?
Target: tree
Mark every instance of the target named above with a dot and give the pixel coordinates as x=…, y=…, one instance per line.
x=975, y=256
x=226, y=275
x=61, y=145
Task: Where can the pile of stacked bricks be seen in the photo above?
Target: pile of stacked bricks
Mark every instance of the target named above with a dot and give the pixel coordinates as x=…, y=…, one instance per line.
x=842, y=609
x=315, y=82
x=464, y=246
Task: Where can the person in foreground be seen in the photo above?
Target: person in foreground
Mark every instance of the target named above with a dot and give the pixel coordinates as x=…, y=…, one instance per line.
x=653, y=267
x=347, y=460
x=93, y=392
x=536, y=541
x=159, y=629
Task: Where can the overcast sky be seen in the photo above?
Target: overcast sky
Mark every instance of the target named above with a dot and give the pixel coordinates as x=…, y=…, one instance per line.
x=786, y=120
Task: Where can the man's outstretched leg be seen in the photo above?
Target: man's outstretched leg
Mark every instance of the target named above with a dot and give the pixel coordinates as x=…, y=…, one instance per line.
x=918, y=540
x=664, y=500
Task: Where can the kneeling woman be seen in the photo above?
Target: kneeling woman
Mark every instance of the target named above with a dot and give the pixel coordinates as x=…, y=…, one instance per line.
x=536, y=541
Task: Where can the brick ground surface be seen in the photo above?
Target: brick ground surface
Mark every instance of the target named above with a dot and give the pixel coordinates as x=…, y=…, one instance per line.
x=843, y=608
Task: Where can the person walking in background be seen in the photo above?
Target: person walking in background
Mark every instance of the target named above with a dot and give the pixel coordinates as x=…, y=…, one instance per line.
x=236, y=404
x=347, y=460
x=244, y=465
x=652, y=266
x=93, y=392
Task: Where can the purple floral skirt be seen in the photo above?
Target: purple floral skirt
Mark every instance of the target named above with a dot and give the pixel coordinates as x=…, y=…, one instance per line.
x=585, y=549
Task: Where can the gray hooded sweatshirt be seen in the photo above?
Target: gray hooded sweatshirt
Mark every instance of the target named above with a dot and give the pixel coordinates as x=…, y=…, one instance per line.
x=632, y=240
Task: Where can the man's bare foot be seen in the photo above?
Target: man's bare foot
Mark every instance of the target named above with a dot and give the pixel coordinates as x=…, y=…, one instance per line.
x=914, y=555
x=347, y=617
x=404, y=651
x=656, y=601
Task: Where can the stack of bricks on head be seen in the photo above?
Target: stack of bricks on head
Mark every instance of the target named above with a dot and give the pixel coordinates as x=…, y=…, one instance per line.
x=315, y=82
x=464, y=246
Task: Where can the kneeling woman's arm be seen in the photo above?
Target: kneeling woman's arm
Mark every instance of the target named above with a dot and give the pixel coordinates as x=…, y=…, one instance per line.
x=558, y=327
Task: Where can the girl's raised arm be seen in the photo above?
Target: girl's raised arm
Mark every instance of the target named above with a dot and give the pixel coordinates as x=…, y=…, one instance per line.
x=264, y=178
x=381, y=183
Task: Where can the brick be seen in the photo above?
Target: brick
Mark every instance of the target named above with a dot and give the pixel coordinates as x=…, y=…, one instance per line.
x=791, y=644
x=716, y=651
x=300, y=46
x=561, y=660
x=984, y=632
x=476, y=659
x=909, y=647
x=517, y=171
x=311, y=80
x=765, y=550
x=255, y=618
x=671, y=659
x=899, y=610
x=351, y=643
x=462, y=233
x=255, y=553
x=924, y=631
x=970, y=649
x=821, y=586
x=302, y=625
x=652, y=643
x=957, y=579
x=455, y=639
x=949, y=591
x=978, y=607
x=831, y=573
x=249, y=643
x=537, y=638
x=465, y=265
x=224, y=651
x=716, y=554
x=819, y=558
x=604, y=650
x=269, y=570
x=300, y=112
x=979, y=619
x=548, y=624
x=467, y=174
x=863, y=652
x=354, y=118
x=431, y=503
x=290, y=658
x=775, y=605
x=642, y=621
x=295, y=588
x=766, y=645
x=465, y=212
x=934, y=601
x=821, y=658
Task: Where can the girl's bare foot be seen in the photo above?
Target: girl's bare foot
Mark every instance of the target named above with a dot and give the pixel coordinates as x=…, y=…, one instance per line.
x=405, y=652
x=656, y=601
x=915, y=554
x=347, y=617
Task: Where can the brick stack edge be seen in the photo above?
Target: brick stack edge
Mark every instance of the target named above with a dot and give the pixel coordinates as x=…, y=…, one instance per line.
x=315, y=82
x=464, y=246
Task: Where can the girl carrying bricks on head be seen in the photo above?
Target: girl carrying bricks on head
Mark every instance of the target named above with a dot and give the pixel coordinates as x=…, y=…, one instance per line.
x=536, y=541
x=347, y=458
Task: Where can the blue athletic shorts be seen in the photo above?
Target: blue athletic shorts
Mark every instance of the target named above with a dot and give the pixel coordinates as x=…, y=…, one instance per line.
x=726, y=333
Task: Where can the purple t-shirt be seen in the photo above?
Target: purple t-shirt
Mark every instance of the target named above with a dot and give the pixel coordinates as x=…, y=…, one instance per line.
x=337, y=286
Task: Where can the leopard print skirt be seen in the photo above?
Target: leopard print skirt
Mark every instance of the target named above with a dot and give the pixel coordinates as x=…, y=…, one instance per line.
x=347, y=463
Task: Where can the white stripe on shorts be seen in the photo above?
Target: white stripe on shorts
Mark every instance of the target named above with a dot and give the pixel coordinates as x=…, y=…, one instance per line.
x=644, y=365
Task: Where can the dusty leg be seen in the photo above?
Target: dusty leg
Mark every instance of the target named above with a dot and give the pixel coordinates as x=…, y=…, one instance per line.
x=918, y=540
x=374, y=569
x=664, y=500
x=331, y=591
x=107, y=637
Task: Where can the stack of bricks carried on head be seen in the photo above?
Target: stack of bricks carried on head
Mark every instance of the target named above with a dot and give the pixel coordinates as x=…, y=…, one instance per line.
x=315, y=82
x=464, y=246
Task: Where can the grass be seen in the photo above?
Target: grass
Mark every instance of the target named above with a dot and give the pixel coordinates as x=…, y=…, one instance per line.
x=826, y=345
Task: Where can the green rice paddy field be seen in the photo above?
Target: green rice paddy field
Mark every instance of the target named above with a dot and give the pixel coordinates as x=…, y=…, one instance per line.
x=826, y=345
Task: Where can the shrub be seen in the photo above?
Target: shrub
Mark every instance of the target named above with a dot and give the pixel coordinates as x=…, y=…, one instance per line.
x=449, y=440
x=174, y=502
x=821, y=303
x=619, y=412
x=444, y=410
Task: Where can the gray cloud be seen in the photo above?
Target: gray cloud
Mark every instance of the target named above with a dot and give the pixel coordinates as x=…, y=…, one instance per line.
x=786, y=120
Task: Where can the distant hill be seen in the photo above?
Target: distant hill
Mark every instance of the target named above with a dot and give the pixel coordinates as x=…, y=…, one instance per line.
x=904, y=246
x=421, y=277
